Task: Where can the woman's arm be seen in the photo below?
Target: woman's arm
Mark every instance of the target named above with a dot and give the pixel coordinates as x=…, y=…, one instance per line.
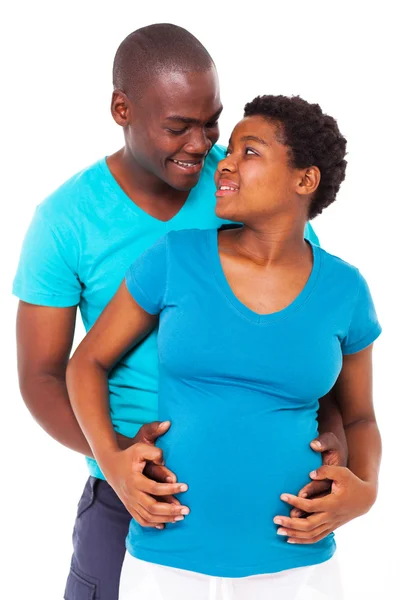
x=122, y=325
x=354, y=396
x=354, y=489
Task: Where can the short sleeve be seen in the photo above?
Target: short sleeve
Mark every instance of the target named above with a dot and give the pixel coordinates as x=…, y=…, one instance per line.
x=364, y=326
x=45, y=273
x=310, y=234
x=146, y=278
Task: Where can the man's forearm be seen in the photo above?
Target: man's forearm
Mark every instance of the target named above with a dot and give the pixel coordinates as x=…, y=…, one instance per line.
x=47, y=399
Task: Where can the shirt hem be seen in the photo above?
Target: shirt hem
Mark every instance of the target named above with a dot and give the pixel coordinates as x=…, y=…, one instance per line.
x=305, y=560
x=41, y=299
x=94, y=469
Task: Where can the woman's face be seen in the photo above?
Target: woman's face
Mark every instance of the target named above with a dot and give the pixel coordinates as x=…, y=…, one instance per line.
x=255, y=181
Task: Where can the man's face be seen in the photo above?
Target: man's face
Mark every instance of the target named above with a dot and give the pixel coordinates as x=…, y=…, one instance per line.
x=174, y=125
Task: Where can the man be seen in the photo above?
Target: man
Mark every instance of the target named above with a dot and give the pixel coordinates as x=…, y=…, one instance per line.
x=81, y=241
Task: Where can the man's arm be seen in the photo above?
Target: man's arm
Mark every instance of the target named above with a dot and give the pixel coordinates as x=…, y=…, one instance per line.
x=44, y=341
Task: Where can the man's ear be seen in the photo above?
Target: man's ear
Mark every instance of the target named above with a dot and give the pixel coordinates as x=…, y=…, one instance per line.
x=120, y=108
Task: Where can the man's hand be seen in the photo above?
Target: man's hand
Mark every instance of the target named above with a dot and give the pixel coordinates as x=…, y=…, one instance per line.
x=124, y=470
x=333, y=455
x=148, y=434
x=350, y=498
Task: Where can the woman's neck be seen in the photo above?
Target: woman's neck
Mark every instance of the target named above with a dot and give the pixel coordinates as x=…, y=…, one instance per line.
x=270, y=243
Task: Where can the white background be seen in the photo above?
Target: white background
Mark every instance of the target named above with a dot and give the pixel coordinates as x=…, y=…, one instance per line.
x=55, y=117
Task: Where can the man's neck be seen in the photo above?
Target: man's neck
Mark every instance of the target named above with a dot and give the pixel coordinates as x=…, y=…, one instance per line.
x=152, y=195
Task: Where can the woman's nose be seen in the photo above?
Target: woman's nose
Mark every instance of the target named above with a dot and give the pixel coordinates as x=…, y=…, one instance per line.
x=226, y=164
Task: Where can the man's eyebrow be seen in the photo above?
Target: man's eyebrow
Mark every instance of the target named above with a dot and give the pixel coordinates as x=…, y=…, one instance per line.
x=190, y=121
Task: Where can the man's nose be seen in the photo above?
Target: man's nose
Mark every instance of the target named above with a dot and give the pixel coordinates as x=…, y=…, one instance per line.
x=199, y=143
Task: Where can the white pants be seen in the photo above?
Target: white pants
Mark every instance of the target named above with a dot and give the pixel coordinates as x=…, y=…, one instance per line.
x=142, y=580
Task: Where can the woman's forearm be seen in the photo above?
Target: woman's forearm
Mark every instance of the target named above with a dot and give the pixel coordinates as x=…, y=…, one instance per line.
x=365, y=449
x=87, y=385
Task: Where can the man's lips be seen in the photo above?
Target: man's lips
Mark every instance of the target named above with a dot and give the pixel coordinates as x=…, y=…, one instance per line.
x=188, y=166
x=226, y=187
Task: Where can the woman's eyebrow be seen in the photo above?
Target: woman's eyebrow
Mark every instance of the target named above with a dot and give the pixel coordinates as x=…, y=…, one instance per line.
x=250, y=138
x=253, y=138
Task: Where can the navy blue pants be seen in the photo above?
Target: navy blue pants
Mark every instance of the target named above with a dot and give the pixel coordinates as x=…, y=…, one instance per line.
x=100, y=530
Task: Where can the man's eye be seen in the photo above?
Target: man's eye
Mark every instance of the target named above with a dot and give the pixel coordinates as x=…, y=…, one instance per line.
x=177, y=131
x=250, y=151
x=213, y=124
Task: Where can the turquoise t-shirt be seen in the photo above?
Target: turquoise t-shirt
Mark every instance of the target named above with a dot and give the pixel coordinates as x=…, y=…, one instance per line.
x=76, y=251
x=242, y=393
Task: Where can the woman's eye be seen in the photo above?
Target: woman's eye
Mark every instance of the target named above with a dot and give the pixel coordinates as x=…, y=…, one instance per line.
x=250, y=151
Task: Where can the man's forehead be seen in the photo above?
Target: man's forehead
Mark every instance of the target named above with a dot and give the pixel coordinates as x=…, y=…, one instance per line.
x=182, y=93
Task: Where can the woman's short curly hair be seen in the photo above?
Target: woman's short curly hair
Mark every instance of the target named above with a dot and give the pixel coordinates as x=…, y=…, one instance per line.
x=313, y=138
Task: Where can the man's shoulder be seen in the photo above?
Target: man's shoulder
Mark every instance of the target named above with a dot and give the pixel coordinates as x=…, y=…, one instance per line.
x=340, y=270
x=74, y=193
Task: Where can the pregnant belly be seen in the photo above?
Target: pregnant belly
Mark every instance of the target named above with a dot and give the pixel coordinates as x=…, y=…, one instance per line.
x=237, y=475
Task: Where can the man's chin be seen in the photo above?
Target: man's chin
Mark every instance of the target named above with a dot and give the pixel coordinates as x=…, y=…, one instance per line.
x=184, y=184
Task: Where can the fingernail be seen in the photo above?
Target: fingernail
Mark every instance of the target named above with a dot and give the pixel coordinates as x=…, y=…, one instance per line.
x=278, y=521
x=284, y=497
x=183, y=488
x=291, y=541
x=317, y=443
x=162, y=424
x=185, y=511
x=159, y=527
x=313, y=474
x=179, y=518
x=303, y=495
x=282, y=532
x=169, y=480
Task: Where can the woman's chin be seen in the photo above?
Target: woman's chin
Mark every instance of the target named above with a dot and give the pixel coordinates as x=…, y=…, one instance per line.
x=223, y=212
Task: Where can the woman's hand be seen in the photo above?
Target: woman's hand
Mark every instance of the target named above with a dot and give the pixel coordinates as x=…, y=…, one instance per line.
x=123, y=470
x=350, y=497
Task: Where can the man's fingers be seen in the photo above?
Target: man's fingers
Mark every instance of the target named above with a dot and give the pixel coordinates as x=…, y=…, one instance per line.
x=326, y=441
x=149, y=432
x=142, y=453
x=333, y=451
x=159, y=473
x=315, y=488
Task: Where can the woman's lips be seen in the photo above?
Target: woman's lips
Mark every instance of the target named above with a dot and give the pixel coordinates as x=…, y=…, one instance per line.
x=226, y=187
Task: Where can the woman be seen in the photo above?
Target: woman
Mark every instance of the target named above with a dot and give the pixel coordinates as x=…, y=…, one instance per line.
x=255, y=326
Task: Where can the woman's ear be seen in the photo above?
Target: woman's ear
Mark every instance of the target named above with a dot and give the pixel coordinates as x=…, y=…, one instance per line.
x=308, y=181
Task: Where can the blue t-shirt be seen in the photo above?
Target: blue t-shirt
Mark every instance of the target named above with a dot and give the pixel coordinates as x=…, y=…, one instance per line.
x=77, y=249
x=241, y=391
